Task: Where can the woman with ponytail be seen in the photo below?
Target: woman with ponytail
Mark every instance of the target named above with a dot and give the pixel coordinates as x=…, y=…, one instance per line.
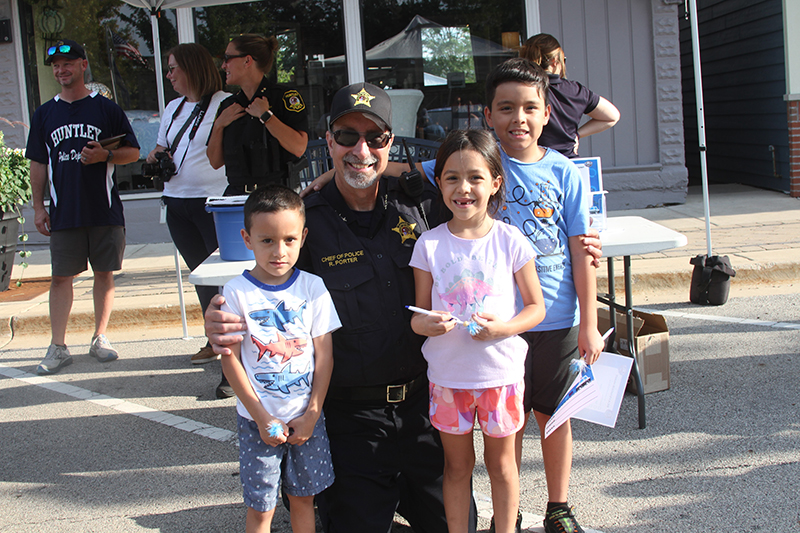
x=261, y=129
x=569, y=100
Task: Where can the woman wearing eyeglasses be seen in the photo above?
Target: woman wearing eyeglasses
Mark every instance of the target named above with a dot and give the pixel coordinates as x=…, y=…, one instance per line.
x=569, y=100
x=261, y=129
x=185, y=126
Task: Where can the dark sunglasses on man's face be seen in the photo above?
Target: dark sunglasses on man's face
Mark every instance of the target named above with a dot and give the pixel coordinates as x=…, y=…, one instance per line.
x=374, y=139
x=61, y=49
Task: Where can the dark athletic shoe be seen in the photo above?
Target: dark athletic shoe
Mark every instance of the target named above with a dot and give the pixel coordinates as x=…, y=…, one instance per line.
x=224, y=390
x=561, y=521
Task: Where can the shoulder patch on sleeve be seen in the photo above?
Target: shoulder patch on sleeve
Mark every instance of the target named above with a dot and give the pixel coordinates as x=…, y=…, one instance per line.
x=292, y=101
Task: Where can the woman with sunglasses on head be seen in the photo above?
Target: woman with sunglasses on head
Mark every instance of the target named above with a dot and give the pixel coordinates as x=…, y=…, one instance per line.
x=261, y=129
x=187, y=176
x=569, y=100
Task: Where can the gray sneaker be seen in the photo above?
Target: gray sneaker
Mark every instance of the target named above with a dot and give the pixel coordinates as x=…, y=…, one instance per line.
x=101, y=349
x=57, y=357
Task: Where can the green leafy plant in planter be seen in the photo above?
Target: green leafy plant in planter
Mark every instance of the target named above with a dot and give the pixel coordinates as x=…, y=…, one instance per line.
x=15, y=191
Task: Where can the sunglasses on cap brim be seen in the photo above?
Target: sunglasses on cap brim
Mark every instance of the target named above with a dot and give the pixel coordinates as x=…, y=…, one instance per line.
x=60, y=49
x=375, y=139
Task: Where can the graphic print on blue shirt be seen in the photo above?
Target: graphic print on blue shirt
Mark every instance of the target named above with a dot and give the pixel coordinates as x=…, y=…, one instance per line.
x=542, y=229
x=278, y=317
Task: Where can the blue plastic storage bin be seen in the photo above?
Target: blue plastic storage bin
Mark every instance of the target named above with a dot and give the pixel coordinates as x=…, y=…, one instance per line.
x=229, y=222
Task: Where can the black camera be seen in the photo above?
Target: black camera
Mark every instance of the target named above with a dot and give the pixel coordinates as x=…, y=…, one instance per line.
x=163, y=168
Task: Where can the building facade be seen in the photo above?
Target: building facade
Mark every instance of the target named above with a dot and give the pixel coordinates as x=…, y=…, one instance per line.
x=626, y=50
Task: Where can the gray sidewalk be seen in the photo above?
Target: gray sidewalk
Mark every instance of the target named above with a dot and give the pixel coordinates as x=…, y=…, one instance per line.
x=758, y=229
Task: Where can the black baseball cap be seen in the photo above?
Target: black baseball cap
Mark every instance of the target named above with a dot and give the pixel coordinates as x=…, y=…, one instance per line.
x=362, y=98
x=65, y=48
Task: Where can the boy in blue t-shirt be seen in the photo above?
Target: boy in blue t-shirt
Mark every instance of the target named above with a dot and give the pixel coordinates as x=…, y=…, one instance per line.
x=281, y=370
x=545, y=198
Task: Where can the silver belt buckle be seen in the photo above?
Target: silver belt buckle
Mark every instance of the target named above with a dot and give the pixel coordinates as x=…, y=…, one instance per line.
x=396, y=393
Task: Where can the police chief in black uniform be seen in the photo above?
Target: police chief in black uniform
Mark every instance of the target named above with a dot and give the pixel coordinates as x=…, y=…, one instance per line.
x=362, y=228
x=261, y=129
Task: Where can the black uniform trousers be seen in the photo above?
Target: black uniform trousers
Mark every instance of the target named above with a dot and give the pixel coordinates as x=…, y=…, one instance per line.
x=386, y=458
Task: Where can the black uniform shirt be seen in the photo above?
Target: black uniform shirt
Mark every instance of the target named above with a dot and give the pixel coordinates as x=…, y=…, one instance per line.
x=252, y=155
x=364, y=263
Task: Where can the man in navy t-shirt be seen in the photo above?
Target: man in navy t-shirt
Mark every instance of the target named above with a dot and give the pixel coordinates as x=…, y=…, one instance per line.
x=85, y=220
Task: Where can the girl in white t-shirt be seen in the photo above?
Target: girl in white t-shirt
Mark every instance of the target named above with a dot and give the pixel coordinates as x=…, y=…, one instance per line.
x=467, y=270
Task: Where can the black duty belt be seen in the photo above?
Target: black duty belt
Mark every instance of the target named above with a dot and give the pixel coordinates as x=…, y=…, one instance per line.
x=378, y=393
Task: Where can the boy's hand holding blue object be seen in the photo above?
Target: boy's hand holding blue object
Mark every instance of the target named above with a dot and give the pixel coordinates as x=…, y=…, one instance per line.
x=274, y=433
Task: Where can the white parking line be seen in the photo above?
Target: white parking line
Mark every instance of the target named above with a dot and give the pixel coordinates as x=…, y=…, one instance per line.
x=748, y=321
x=123, y=406
x=484, y=503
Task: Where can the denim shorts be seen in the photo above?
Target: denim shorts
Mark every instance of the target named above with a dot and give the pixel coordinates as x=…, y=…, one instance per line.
x=304, y=470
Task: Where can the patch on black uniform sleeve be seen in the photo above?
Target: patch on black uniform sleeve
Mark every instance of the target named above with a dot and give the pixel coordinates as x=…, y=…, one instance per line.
x=292, y=101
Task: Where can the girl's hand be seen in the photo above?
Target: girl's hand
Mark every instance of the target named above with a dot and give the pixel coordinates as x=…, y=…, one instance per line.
x=228, y=115
x=591, y=242
x=590, y=344
x=264, y=431
x=432, y=325
x=318, y=183
x=491, y=327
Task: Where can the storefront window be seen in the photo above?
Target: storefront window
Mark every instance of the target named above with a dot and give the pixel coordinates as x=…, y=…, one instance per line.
x=443, y=49
x=309, y=32
x=440, y=51
x=118, y=40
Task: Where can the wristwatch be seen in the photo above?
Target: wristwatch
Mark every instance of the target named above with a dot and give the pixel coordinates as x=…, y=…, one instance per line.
x=110, y=156
x=266, y=116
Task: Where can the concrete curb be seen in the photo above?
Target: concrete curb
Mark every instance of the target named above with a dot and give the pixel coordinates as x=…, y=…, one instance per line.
x=648, y=276
x=169, y=315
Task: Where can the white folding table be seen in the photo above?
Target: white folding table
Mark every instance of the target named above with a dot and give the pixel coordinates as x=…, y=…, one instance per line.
x=216, y=272
x=624, y=237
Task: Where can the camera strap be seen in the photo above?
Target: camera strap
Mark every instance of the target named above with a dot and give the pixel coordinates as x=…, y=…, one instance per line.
x=197, y=115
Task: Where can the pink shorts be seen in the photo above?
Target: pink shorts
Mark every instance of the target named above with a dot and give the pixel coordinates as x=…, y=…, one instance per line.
x=499, y=409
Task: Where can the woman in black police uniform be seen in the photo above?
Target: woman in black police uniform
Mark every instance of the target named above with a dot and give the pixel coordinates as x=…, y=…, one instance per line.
x=261, y=129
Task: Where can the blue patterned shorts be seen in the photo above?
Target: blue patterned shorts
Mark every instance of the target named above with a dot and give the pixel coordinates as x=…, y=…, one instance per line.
x=304, y=470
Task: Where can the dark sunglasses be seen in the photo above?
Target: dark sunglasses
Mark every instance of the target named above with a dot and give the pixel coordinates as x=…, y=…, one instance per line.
x=374, y=139
x=61, y=49
x=226, y=57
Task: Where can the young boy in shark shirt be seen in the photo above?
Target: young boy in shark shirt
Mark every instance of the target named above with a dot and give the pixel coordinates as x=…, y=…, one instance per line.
x=281, y=370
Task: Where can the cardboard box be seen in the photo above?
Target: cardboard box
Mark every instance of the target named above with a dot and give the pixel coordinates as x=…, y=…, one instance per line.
x=652, y=346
